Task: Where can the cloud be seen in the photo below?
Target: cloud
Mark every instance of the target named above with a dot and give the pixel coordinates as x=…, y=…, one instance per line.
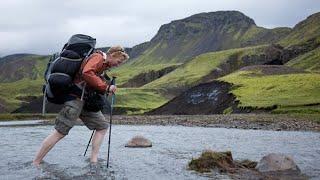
x=43, y=26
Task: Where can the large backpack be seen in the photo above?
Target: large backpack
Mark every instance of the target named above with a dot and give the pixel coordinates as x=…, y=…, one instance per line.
x=63, y=67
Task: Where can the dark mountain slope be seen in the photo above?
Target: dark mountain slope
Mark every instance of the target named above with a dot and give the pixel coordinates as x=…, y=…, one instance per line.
x=182, y=40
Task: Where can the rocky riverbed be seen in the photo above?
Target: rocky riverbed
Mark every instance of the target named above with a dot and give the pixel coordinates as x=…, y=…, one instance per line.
x=274, y=122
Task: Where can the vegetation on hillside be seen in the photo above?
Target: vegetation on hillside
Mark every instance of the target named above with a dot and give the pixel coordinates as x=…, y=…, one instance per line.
x=289, y=92
x=129, y=71
x=309, y=61
x=191, y=73
x=137, y=100
x=181, y=40
x=13, y=93
x=304, y=31
x=24, y=66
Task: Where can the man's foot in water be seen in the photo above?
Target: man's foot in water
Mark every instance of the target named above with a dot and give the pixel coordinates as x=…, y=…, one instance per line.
x=36, y=164
x=94, y=168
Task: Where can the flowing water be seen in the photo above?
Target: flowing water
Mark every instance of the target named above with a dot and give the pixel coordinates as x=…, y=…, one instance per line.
x=173, y=147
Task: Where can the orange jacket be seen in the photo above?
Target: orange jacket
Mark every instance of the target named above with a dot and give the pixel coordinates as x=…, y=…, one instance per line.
x=92, y=68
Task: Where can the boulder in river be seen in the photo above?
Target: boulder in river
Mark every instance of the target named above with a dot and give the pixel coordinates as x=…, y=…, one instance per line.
x=277, y=162
x=280, y=166
x=139, y=142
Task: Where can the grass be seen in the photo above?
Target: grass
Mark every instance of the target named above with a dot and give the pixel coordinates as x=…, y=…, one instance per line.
x=252, y=33
x=141, y=100
x=192, y=72
x=24, y=87
x=309, y=61
x=128, y=71
x=302, y=32
x=280, y=90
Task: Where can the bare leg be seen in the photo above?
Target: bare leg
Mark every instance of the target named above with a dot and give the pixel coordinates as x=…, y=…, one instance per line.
x=96, y=143
x=46, y=146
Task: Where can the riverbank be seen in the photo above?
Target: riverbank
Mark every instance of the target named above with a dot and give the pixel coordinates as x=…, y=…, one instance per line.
x=240, y=121
x=276, y=122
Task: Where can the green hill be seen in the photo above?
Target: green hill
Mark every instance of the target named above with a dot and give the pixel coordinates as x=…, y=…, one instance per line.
x=21, y=76
x=306, y=30
x=209, y=66
x=20, y=66
x=182, y=40
x=13, y=94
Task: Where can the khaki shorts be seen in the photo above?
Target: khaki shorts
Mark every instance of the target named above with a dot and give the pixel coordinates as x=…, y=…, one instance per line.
x=71, y=111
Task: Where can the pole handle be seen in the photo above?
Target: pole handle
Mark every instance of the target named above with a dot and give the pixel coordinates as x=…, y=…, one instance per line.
x=113, y=82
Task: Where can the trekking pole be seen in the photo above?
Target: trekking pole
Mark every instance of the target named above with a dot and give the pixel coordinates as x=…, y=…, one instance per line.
x=113, y=82
x=82, y=96
x=88, y=143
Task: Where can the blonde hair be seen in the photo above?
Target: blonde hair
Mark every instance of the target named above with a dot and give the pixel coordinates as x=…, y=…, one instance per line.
x=118, y=51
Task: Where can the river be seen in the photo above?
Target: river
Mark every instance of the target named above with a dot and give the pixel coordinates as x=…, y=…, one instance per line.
x=173, y=147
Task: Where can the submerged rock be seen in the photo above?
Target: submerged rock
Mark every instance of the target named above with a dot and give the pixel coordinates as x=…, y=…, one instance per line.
x=277, y=162
x=139, y=142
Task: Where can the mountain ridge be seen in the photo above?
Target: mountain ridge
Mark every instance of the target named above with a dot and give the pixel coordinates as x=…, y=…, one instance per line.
x=182, y=40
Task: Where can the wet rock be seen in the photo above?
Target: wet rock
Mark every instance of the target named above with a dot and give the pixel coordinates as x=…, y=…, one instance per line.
x=139, y=142
x=247, y=164
x=277, y=162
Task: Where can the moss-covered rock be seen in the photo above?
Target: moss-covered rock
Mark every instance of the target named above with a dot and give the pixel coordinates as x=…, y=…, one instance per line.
x=209, y=160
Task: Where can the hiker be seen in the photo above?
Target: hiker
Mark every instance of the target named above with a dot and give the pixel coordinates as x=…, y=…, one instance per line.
x=89, y=79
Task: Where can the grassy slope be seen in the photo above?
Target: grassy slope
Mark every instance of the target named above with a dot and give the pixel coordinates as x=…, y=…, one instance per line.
x=235, y=38
x=309, y=61
x=138, y=100
x=262, y=35
x=190, y=73
x=128, y=71
x=304, y=31
x=290, y=92
x=24, y=87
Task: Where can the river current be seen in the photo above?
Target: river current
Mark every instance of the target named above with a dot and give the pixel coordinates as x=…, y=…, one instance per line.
x=173, y=147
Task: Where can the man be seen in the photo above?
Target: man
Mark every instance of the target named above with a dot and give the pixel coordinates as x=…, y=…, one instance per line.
x=89, y=79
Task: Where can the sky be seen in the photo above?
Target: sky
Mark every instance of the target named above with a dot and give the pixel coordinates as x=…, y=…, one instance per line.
x=43, y=26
